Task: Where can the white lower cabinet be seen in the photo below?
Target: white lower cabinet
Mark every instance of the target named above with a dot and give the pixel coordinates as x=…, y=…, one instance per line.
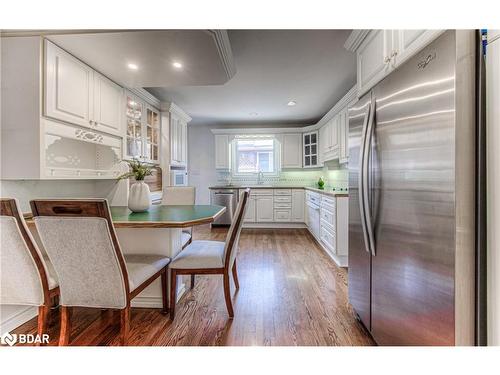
x=250, y=212
x=298, y=200
x=264, y=208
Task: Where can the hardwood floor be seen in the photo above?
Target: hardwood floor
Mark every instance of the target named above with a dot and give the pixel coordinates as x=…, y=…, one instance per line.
x=290, y=293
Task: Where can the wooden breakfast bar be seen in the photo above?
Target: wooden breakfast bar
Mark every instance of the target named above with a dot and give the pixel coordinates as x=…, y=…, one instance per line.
x=158, y=231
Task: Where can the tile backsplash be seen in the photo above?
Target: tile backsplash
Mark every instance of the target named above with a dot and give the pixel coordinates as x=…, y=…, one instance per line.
x=333, y=175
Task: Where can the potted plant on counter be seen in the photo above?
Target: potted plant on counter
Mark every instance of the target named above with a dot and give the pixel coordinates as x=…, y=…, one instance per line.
x=139, y=199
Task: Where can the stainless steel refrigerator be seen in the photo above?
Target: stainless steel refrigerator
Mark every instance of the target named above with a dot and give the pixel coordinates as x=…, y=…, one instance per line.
x=412, y=199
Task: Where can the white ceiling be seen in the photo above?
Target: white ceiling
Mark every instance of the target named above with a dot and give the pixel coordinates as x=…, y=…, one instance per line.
x=153, y=51
x=311, y=67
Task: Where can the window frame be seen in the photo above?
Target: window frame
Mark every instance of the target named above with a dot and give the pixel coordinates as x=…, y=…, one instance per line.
x=276, y=156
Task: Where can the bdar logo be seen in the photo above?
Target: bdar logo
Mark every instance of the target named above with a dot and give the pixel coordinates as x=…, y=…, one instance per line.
x=8, y=339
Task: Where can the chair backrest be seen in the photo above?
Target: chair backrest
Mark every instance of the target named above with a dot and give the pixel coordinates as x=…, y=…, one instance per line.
x=233, y=235
x=23, y=273
x=178, y=195
x=81, y=242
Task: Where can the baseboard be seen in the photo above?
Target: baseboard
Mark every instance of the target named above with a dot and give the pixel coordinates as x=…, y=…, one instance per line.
x=275, y=225
x=150, y=302
x=25, y=313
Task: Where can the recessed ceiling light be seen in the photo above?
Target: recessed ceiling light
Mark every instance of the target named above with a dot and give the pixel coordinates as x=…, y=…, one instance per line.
x=132, y=66
x=177, y=65
x=291, y=103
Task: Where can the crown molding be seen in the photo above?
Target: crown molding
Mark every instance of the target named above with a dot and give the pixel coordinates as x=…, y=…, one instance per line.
x=223, y=45
x=350, y=96
x=174, y=108
x=355, y=39
x=250, y=130
x=145, y=95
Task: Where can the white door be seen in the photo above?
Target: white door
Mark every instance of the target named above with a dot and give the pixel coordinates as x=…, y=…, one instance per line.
x=250, y=212
x=264, y=209
x=221, y=151
x=108, y=105
x=291, y=151
x=373, y=57
x=298, y=205
x=68, y=87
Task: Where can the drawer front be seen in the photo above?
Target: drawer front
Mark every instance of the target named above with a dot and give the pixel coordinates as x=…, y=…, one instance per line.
x=328, y=217
x=282, y=215
x=282, y=205
x=329, y=201
x=312, y=197
x=262, y=191
x=282, y=191
x=328, y=238
x=283, y=199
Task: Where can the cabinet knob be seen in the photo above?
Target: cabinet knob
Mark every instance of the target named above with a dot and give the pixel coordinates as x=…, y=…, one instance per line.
x=387, y=60
x=394, y=53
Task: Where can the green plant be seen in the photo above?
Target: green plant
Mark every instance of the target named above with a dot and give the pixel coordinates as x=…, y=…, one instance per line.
x=138, y=170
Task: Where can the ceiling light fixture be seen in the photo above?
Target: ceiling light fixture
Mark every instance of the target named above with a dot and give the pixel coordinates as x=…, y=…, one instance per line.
x=132, y=66
x=291, y=103
x=253, y=113
x=177, y=65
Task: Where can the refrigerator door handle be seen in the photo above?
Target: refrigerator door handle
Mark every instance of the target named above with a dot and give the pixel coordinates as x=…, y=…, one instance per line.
x=365, y=172
x=361, y=180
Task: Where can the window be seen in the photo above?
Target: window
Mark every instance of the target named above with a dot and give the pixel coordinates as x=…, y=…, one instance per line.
x=254, y=155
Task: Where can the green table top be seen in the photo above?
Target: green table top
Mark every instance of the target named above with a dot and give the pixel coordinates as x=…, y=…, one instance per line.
x=159, y=216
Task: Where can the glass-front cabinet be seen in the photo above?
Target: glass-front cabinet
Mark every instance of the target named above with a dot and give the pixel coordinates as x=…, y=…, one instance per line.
x=310, y=149
x=143, y=131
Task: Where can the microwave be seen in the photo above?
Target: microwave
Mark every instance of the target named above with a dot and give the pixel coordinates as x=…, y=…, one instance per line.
x=178, y=178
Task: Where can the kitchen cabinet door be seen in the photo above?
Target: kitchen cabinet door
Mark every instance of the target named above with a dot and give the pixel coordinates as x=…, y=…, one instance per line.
x=222, y=152
x=408, y=42
x=134, y=134
x=250, y=212
x=324, y=140
x=68, y=87
x=264, y=209
x=175, y=150
x=152, y=136
x=291, y=155
x=373, y=59
x=343, y=137
x=298, y=205
x=108, y=105
x=334, y=132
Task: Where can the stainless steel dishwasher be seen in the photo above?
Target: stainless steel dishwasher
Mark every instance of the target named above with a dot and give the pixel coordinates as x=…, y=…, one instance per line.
x=227, y=198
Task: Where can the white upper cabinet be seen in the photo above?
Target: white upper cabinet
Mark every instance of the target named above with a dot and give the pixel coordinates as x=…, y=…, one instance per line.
x=384, y=50
x=329, y=139
x=343, y=130
x=311, y=151
x=178, y=136
x=373, y=58
x=68, y=87
x=222, y=152
x=108, y=105
x=291, y=151
x=76, y=94
x=410, y=42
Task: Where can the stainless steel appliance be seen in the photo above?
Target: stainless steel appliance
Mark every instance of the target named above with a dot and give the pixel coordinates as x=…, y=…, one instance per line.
x=227, y=198
x=411, y=199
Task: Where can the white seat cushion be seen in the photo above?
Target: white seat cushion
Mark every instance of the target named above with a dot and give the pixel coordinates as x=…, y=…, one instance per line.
x=141, y=267
x=185, y=237
x=200, y=254
x=52, y=276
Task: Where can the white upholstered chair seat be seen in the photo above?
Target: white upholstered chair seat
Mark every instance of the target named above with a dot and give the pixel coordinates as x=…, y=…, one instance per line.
x=141, y=267
x=200, y=254
x=185, y=237
x=51, y=274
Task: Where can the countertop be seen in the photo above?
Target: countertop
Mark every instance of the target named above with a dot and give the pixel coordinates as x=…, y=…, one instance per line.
x=325, y=191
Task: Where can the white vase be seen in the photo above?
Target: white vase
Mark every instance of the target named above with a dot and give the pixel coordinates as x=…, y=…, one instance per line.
x=139, y=199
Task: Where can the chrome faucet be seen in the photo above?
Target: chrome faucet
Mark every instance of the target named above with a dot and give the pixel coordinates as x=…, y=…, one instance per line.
x=260, y=178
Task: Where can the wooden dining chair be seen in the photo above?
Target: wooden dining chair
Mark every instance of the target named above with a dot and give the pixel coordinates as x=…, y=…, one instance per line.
x=180, y=195
x=26, y=277
x=211, y=258
x=80, y=239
